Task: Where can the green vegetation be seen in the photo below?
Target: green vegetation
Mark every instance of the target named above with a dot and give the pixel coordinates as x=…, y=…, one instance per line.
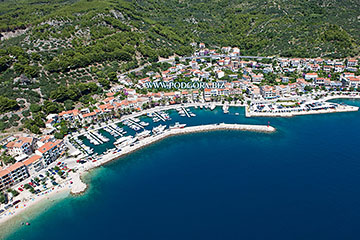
x=2, y=197
x=13, y=192
x=72, y=49
x=7, y=104
x=6, y=159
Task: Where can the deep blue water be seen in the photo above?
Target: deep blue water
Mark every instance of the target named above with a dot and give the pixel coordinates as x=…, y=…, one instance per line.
x=301, y=182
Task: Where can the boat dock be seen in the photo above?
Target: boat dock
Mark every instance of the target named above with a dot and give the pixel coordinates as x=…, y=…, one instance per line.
x=186, y=112
x=159, y=116
x=113, y=131
x=133, y=122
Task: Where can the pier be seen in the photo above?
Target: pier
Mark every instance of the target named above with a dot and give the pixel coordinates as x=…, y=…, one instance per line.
x=131, y=121
x=159, y=116
x=186, y=112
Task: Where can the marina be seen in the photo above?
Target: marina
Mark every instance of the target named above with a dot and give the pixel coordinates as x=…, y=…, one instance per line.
x=205, y=120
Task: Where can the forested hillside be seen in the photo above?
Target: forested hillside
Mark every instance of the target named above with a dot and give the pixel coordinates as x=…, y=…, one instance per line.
x=57, y=49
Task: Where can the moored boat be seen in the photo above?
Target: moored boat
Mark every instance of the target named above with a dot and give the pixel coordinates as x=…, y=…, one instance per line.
x=177, y=125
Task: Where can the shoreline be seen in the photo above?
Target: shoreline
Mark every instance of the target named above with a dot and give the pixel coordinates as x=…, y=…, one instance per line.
x=78, y=187
x=81, y=187
x=14, y=217
x=292, y=114
x=339, y=109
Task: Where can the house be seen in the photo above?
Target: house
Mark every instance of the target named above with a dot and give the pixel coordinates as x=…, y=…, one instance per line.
x=70, y=115
x=225, y=49
x=207, y=94
x=34, y=164
x=22, y=145
x=257, y=78
x=268, y=92
x=282, y=89
x=311, y=76
x=50, y=151
x=220, y=74
x=295, y=62
x=13, y=175
x=339, y=68
x=352, y=62
x=354, y=82
x=328, y=68
x=235, y=52
x=321, y=81
x=253, y=91
x=285, y=79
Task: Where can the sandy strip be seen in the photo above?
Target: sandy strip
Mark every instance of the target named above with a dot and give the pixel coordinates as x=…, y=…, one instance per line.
x=73, y=181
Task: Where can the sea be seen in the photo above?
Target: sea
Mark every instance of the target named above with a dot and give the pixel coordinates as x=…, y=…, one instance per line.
x=301, y=182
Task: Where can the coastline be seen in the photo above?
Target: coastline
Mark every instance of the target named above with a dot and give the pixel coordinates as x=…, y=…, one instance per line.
x=81, y=187
x=292, y=114
x=74, y=184
x=15, y=217
x=339, y=109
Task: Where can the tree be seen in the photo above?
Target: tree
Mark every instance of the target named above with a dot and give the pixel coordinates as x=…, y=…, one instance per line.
x=307, y=88
x=34, y=108
x=35, y=129
x=7, y=104
x=104, y=83
x=3, y=198
x=112, y=76
x=69, y=104
x=58, y=135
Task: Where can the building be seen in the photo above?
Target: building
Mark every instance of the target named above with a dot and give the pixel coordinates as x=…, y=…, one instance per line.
x=50, y=151
x=34, y=164
x=5, y=179
x=13, y=175
x=352, y=62
x=21, y=146
x=268, y=92
x=311, y=76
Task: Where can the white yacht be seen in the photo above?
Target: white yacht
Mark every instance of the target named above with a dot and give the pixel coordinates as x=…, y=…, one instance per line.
x=225, y=108
x=143, y=134
x=177, y=126
x=159, y=129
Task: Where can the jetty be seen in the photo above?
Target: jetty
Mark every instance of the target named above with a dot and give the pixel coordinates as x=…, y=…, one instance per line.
x=185, y=111
x=133, y=122
x=146, y=139
x=159, y=116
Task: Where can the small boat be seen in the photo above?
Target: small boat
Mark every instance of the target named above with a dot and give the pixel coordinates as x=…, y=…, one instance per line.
x=159, y=129
x=143, y=134
x=225, y=108
x=177, y=126
x=144, y=124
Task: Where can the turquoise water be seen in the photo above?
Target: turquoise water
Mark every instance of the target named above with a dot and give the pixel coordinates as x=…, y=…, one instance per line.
x=301, y=182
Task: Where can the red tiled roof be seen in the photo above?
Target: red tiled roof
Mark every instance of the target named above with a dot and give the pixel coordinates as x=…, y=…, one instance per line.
x=32, y=159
